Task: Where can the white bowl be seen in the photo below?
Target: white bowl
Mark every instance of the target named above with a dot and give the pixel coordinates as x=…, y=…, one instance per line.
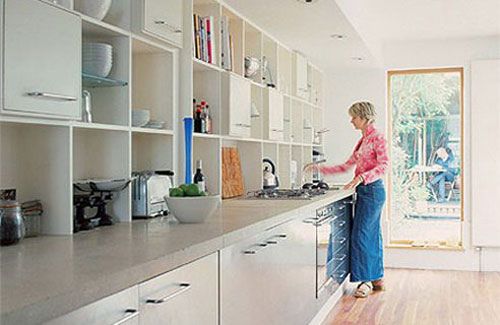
x=94, y=8
x=193, y=209
x=99, y=68
x=140, y=117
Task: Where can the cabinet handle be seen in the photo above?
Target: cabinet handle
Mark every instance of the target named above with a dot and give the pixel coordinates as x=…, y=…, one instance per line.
x=52, y=96
x=276, y=130
x=274, y=241
x=255, y=251
x=310, y=220
x=133, y=313
x=341, y=224
x=243, y=125
x=342, y=240
x=182, y=288
x=172, y=28
x=341, y=258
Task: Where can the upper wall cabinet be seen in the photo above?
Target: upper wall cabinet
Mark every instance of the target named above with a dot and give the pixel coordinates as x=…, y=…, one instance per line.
x=236, y=106
x=159, y=18
x=41, y=82
x=274, y=114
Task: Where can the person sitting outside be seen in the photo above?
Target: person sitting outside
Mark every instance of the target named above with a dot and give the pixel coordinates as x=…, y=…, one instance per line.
x=444, y=159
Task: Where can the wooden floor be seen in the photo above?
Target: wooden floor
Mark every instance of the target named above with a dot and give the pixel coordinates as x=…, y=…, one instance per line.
x=424, y=297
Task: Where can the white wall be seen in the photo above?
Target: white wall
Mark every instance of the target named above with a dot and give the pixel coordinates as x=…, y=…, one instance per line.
x=348, y=86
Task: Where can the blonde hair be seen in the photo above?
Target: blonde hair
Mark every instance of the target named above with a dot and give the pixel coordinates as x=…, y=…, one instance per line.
x=365, y=110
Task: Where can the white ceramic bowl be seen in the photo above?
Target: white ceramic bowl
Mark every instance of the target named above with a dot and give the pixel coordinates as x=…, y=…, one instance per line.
x=193, y=209
x=94, y=8
x=140, y=117
x=97, y=59
x=99, y=68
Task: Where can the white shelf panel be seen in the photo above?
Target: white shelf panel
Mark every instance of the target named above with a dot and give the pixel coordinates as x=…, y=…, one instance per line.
x=143, y=45
x=33, y=120
x=99, y=126
x=205, y=135
x=152, y=131
x=96, y=28
x=199, y=66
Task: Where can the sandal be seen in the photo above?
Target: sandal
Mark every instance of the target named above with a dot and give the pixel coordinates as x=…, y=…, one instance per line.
x=378, y=285
x=364, y=289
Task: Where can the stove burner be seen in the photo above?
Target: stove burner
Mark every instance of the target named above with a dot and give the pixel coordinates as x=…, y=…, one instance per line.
x=285, y=194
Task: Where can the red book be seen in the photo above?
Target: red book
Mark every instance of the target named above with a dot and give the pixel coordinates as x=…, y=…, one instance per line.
x=209, y=39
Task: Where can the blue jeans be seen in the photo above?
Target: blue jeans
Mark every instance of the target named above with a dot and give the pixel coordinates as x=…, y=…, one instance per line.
x=367, y=257
x=439, y=179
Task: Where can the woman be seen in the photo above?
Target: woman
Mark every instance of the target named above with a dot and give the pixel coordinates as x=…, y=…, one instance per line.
x=371, y=160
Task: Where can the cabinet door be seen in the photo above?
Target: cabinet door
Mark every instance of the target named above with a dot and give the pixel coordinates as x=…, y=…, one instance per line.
x=42, y=59
x=301, y=76
x=275, y=115
x=187, y=295
x=239, y=106
x=163, y=18
x=120, y=308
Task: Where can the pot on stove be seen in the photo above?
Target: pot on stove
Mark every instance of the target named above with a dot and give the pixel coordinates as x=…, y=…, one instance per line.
x=269, y=177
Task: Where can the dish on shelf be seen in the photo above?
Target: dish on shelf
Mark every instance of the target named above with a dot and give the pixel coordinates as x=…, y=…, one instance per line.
x=97, y=59
x=93, y=8
x=109, y=185
x=140, y=117
x=153, y=124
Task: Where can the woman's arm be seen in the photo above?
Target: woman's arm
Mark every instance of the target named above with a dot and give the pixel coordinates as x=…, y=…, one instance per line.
x=326, y=170
x=382, y=161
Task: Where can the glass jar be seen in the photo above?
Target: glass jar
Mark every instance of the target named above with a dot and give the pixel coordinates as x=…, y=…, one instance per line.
x=11, y=223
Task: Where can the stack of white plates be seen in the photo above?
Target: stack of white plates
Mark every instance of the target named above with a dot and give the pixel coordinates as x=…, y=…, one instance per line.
x=97, y=59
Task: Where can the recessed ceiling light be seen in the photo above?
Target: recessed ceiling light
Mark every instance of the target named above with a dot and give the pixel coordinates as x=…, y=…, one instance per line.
x=357, y=58
x=338, y=36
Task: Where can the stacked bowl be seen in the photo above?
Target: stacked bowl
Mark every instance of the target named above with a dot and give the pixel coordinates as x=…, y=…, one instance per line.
x=94, y=8
x=97, y=59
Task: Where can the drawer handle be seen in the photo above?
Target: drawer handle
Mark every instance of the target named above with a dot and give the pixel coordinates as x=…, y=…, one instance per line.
x=342, y=240
x=255, y=251
x=340, y=274
x=172, y=28
x=243, y=125
x=274, y=241
x=183, y=287
x=310, y=220
x=341, y=258
x=52, y=96
x=323, y=221
x=276, y=130
x=131, y=313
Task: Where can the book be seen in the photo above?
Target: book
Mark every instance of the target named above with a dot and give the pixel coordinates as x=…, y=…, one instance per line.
x=209, y=39
x=225, y=44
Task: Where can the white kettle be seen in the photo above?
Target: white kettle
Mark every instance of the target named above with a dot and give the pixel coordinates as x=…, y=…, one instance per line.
x=269, y=177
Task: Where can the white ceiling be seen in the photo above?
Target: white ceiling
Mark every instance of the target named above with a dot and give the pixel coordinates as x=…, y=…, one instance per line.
x=307, y=28
x=368, y=24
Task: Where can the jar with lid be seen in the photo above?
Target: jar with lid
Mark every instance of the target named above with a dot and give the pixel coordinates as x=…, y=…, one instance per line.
x=11, y=223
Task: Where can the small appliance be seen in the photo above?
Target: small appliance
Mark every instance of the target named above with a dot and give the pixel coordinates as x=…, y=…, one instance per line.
x=148, y=190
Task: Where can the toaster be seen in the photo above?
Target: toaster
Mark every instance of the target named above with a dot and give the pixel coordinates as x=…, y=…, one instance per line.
x=148, y=191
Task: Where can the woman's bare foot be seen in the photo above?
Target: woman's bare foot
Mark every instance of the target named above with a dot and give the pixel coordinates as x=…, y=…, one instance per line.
x=378, y=285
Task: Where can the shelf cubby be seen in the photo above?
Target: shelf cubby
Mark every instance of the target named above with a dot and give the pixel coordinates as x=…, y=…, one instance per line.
x=208, y=151
x=237, y=33
x=35, y=160
x=152, y=152
x=207, y=87
x=104, y=154
x=207, y=8
x=153, y=81
x=110, y=105
x=251, y=154
x=270, y=53
x=297, y=156
x=253, y=48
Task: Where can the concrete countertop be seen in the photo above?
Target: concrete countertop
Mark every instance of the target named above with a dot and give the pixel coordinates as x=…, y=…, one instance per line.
x=45, y=277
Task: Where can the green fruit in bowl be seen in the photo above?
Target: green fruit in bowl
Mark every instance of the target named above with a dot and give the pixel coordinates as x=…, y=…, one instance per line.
x=183, y=187
x=176, y=192
x=192, y=190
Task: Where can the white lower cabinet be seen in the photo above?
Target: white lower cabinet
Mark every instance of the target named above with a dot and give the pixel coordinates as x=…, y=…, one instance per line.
x=270, y=278
x=121, y=308
x=185, y=296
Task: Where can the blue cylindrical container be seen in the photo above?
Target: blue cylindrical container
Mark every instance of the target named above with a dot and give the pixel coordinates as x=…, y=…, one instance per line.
x=188, y=139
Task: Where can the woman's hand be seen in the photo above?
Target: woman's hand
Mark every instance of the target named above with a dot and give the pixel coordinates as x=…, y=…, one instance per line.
x=355, y=182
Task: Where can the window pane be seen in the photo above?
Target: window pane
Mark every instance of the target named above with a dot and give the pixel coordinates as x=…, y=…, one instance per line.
x=426, y=152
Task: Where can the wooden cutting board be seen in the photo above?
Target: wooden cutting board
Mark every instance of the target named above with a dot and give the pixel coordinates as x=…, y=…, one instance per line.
x=232, y=178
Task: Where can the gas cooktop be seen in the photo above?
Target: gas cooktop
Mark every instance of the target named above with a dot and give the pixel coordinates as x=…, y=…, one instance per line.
x=285, y=194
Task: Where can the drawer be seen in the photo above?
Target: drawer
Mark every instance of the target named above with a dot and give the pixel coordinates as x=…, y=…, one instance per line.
x=120, y=308
x=186, y=295
x=340, y=225
x=341, y=272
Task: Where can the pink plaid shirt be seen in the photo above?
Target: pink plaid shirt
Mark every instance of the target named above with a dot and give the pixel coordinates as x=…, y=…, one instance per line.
x=369, y=156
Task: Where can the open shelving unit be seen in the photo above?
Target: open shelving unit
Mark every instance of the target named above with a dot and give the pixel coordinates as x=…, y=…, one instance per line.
x=302, y=116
